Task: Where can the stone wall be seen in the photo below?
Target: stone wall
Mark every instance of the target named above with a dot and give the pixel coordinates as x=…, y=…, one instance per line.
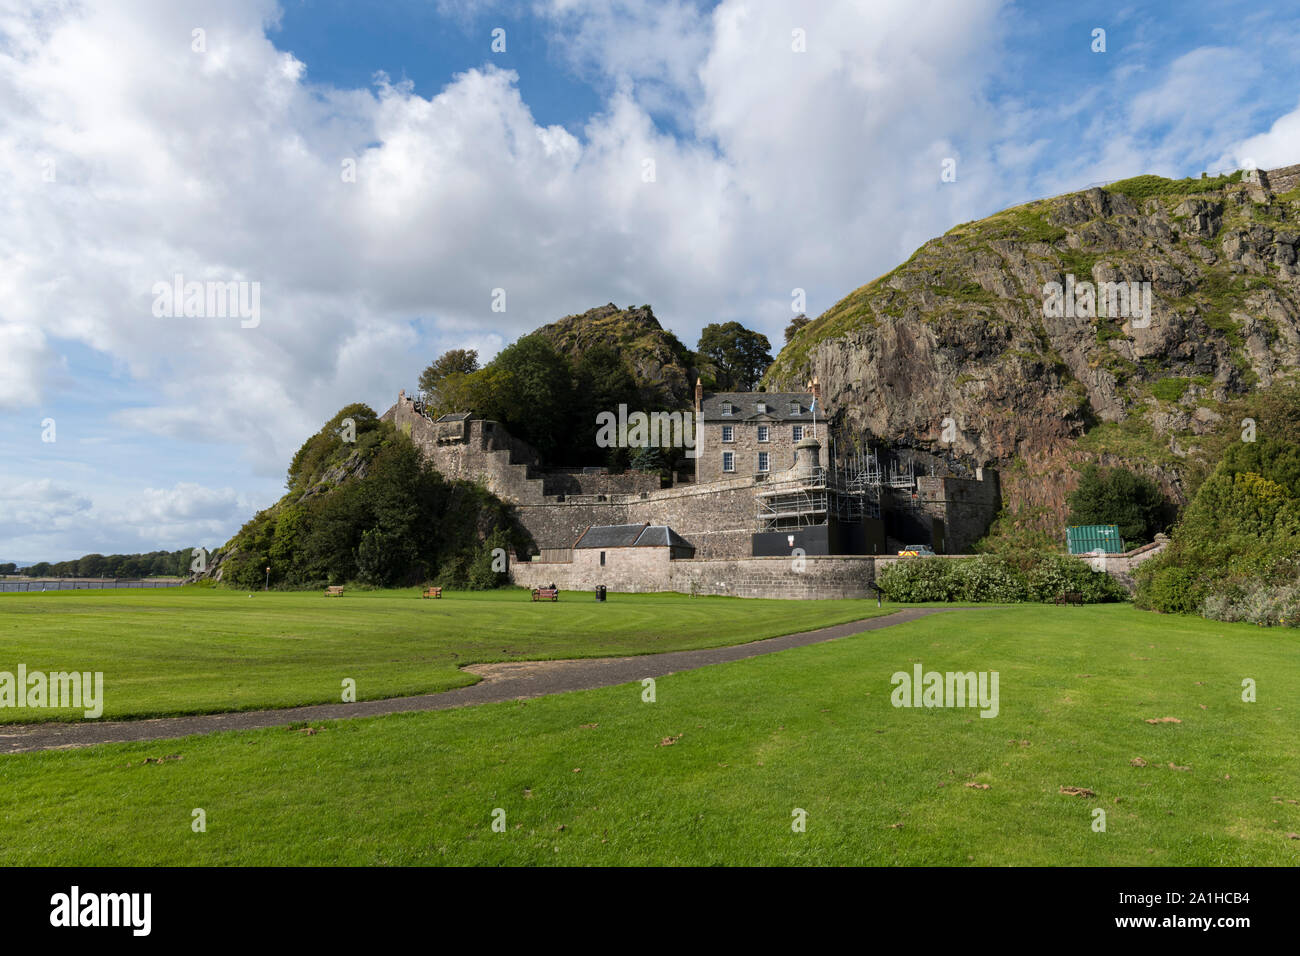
x=1281, y=180
x=638, y=570
x=718, y=518
x=559, y=481
x=1121, y=566
x=745, y=446
x=966, y=506
x=641, y=570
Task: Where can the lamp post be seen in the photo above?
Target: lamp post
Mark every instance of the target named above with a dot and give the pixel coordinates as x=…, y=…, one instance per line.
x=268, y=580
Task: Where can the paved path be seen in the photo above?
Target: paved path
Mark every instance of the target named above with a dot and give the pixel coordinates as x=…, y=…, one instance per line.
x=507, y=681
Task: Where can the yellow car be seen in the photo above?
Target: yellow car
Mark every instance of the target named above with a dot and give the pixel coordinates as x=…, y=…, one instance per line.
x=917, y=551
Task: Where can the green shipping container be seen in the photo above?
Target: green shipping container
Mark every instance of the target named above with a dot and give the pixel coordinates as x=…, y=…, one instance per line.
x=1087, y=538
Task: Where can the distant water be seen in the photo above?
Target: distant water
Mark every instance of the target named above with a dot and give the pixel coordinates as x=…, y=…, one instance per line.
x=70, y=585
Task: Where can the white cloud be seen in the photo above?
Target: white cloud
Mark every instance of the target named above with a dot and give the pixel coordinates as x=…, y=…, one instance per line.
x=1280, y=146
x=52, y=521
x=817, y=169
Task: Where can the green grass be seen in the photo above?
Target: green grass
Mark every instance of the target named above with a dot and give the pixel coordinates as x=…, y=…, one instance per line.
x=1131, y=439
x=1028, y=223
x=1143, y=187
x=1170, y=389
x=583, y=779
x=202, y=650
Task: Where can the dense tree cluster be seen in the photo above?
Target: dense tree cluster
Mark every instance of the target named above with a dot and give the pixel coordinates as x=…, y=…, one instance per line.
x=1235, y=553
x=363, y=505
x=152, y=564
x=1120, y=497
x=740, y=355
x=551, y=400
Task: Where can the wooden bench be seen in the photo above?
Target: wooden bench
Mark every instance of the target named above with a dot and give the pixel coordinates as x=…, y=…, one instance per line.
x=546, y=594
x=335, y=590
x=432, y=593
x=1070, y=597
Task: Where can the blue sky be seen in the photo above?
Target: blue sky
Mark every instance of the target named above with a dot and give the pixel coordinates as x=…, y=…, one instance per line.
x=775, y=169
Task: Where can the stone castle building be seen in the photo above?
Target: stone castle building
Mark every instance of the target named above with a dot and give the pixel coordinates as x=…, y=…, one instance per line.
x=766, y=513
x=750, y=433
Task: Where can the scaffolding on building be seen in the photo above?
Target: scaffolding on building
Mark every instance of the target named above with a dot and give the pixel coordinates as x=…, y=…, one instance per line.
x=848, y=491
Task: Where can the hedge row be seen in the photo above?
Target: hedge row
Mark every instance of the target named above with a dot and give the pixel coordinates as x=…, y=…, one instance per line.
x=993, y=579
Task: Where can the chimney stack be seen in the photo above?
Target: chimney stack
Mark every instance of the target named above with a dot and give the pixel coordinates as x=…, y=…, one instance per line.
x=815, y=387
x=699, y=394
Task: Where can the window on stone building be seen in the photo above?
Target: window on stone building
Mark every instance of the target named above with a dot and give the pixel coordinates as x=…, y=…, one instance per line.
x=763, y=432
x=728, y=433
x=794, y=408
x=726, y=408
x=602, y=559
x=763, y=460
x=728, y=461
x=762, y=408
x=798, y=433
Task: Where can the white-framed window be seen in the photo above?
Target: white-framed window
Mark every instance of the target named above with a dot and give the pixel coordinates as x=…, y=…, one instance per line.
x=798, y=433
x=728, y=461
x=764, y=433
x=728, y=432
x=764, y=461
x=795, y=409
x=726, y=408
x=761, y=407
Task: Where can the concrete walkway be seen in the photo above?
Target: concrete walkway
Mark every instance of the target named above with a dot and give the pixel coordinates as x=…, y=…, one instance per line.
x=519, y=680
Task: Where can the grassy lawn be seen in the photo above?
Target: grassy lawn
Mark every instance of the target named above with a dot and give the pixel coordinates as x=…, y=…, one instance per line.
x=200, y=650
x=583, y=778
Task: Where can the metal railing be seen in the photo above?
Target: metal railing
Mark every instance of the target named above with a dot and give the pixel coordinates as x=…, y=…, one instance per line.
x=58, y=584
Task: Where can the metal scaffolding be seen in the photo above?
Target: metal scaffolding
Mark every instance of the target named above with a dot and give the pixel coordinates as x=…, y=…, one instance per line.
x=849, y=491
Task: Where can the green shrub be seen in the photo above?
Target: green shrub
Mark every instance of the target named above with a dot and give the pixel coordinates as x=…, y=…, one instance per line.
x=482, y=575
x=1259, y=602
x=990, y=578
x=916, y=580
x=385, y=559
x=1057, y=574
x=1169, y=588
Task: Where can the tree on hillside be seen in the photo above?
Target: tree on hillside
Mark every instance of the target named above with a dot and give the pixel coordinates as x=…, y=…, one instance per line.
x=740, y=355
x=1120, y=497
x=797, y=323
x=458, y=362
x=329, y=445
x=602, y=382
x=529, y=388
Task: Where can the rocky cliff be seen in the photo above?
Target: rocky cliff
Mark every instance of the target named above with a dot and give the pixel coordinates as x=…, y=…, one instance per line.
x=962, y=353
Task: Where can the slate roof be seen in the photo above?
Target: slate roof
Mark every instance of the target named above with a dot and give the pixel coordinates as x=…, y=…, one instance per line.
x=631, y=536
x=745, y=407
x=455, y=417
x=660, y=536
